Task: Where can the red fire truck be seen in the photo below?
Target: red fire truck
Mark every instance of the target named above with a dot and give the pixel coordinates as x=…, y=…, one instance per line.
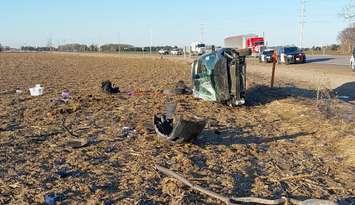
x=252, y=41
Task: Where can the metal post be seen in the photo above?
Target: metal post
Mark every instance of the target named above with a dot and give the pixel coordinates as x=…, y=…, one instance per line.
x=273, y=74
x=184, y=51
x=274, y=61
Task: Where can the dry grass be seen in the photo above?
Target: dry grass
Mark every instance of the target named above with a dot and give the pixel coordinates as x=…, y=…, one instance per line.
x=253, y=150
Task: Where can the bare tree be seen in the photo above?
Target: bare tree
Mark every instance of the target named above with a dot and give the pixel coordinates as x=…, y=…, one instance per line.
x=348, y=12
x=347, y=38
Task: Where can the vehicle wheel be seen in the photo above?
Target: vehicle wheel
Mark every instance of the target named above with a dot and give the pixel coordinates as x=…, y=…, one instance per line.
x=287, y=62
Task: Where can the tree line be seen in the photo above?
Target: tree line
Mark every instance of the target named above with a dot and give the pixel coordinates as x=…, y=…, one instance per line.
x=111, y=48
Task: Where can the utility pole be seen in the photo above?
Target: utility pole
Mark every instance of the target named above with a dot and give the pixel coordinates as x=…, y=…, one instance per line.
x=50, y=43
x=119, y=42
x=151, y=41
x=302, y=22
x=202, y=32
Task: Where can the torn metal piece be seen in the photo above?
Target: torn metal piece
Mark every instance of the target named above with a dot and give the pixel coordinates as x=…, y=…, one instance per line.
x=108, y=87
x=178, y=130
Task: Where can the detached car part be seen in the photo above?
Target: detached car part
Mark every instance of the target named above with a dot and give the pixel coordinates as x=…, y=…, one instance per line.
x=108, y=87
x=220, y=76
x=177, y=129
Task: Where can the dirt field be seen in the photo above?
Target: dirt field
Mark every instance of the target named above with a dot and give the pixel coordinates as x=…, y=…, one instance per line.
x=282, y=143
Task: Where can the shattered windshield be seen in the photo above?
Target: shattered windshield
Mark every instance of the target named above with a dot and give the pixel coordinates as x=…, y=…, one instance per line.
x=208, y=62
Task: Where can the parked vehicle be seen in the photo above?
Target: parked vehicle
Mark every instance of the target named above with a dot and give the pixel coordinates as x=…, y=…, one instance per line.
x=176, y=52
x=163, y=52
x=352, y=61
x=198, y=48
x=291, y=54
x=251, y=41
x=266, y=56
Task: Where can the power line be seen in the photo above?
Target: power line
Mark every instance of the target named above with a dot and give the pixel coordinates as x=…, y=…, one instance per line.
x=302, y=22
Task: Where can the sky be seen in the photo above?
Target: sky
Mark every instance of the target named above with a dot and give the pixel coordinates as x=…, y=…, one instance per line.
x=164, y=22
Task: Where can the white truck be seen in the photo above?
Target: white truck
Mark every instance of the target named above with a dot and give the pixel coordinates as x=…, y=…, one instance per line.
x=251, y=41
x=198, y=48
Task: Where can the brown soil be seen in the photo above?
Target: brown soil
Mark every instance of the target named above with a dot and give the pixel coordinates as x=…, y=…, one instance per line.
x=282, y=143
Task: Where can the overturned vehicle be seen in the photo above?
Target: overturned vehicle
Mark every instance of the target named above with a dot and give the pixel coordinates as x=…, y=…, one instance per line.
x=220, y=76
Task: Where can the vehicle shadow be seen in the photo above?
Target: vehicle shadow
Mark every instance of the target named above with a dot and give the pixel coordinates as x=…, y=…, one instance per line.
x=261, y=94
x=346, y=92
x=231, y=136
x=316, y=60
x=346, y=201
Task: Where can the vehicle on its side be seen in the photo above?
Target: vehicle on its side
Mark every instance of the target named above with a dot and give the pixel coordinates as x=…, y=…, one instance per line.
x=220, y=76
x=266, y=56
x=291, y=55
x=163, y=52
x=176, y=52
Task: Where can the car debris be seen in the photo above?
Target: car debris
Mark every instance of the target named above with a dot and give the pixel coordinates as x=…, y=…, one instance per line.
x=50, y=199
x=65, y=95
x=177, y=129
x=108, y=87
x=220, y=76
x=180, y=89
x=127, y=132
x=37, y=90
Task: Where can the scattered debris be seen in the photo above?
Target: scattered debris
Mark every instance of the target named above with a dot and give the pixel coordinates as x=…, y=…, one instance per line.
x=65, y=96
x=127, y=132
x=50, y=199
x=81, y=142
x=180, y=89
x=108, y=87
x=233, y=201
x=37, y=90
x=6, y=92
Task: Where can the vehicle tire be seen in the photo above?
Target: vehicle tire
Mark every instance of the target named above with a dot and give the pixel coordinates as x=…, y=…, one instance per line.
x=287, y=62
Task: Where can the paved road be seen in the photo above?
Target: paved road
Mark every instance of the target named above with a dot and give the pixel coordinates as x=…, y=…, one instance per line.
x=329, y=60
